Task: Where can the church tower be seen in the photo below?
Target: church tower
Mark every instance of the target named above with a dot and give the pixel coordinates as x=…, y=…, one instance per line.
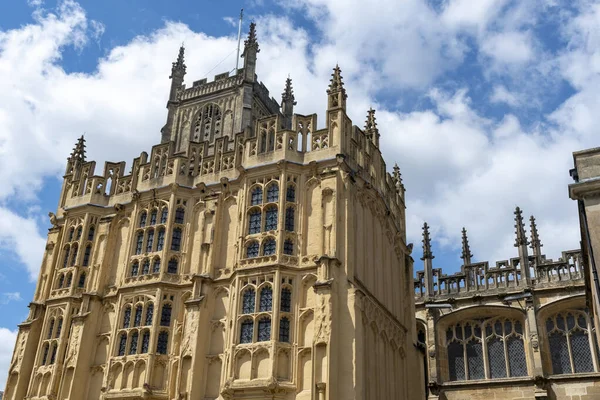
x=250, y=255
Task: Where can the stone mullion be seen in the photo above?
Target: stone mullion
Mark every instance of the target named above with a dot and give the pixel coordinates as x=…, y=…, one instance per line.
x=486, y=362
x=234, y=331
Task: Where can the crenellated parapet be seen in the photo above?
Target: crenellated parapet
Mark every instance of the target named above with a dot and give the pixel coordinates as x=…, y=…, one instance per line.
x=481, y=278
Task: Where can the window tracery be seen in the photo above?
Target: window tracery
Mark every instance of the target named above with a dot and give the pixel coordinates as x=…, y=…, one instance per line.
x=122, y=344
x=137, y=321
x=289, y=219
x=266, y=299
x=252, y=249
x=284, y=330
x=165, y=315
x=156, y=265
x=269, y=247
x=150, y=241
x=291, y=193
x=176, y=239
x=153, y=216
x=86, y=255
x=145, y=342
x=257, y=196
x=208, y=123
x=164, y=214
x=161, y=240
x=271, y=218
x=172, y=266
x=273, y=193
x=134, y=343
x=264, y=329
x=162, y=342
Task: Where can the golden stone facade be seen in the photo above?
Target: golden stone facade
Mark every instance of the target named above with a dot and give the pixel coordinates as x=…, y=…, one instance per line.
x=250, y=255
x=504, y=331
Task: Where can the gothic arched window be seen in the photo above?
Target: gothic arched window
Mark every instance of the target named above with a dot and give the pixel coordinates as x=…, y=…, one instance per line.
x=288, y=247
x=156, y=266
x=134, y=343
x=91, y=232
x=266, y=299
x=69, y=279
x=61, y=281
x=162, y=343
x=46, y=349
x=79, y=232
x=150, y=241
x=248, y=301
x=264, y=329
x=139, y=243
x=172, y=266
x=145, y=342
x=74, y=256
x=254, y=221
x=153, y=216
x=271, y=218
x=252, y=249
x=272, y=193
x=135, y=267
x=143, y=217
x=165, y=315
x=164, y=214
x=289, y=219
x=176, y=240
x=137, y=320
x=127, y=317
x=286, y=300
x=122, y=344
x=146, y=267
x=269, y=247
x=570, y=335
x=149, y=314
x=71, y=234
x=50, y=329
x=86, y=255
x=59, y=328
x=247, y=331
x=284, y=330
x=257, y=196
x=81, y=283
x=160, y=244
x=53, y=356
x=179, y=215
x=291, y=193
x=66, y=259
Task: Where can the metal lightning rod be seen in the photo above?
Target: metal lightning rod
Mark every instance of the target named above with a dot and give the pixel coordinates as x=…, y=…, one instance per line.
x=237, y=59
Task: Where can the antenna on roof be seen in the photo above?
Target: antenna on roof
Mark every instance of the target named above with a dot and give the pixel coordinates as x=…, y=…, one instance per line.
x=237, y=59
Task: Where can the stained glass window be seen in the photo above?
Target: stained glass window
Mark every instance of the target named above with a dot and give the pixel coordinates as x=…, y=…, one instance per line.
x=286, y=300
x=81, y=283
x=162, y=342
x=153, y=217
x=127, y=317
x=59, y=328
x=288, y=247
x=252, y=250
x=271, y=218
x=284, y=330
x=264, y=329
x=456, y=361
x=50, y=329
x=91, y=232
x=143, y=217
x=134, y=343
x=146, y=267
x=156, y=266
x=176, y=239
x=150, y=240
x=66, y=259
x=149, y=314
x=122, y=344
x=495, y=348
x=86, y=255
x=135, y=267
x=269, y=247
x=179, y=215
x=139, y=243
x=164, y=215
x=145, y=342
x=172, y=266
x=272, y=193
x=165, y=315
x=137, y=321
x=266, y=299
x=53, y=356
x=247, y=331
x=254, y=223
x=289, y=219
x=248, y=301
x=46, y=349
x=257, y=195
x=569, y=342
x=160, y=244
x=291, y=193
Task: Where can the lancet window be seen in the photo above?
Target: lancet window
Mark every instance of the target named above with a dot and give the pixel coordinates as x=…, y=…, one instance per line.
x=153, y=216
x=162, y=343
x=571, y=342
x=81, y=283
x=179, y=215
x=176, y=239
x=288, y=247
x=129, y=335
x=172, y=266
x=86, y=255
x=252, y=249
x=208, y=123
x=500, y=338
x=160, y=243
x=269, y=247
x=156, y=265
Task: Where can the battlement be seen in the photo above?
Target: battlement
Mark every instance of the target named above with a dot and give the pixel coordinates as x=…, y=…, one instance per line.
x=202, y=87
x=523, y=273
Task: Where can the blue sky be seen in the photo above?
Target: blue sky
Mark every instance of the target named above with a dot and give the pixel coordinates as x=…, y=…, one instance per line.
x=480, y=103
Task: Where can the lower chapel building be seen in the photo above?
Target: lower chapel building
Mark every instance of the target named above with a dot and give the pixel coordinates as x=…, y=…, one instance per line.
x=252, y=255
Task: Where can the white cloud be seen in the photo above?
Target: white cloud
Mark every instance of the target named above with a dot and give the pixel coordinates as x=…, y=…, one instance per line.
x=7, y=344
x=21, y=236
x=509, y=47
x=501, y=95
x=10, y=296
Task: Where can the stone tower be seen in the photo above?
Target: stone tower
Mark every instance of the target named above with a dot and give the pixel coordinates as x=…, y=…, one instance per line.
x=250, y=255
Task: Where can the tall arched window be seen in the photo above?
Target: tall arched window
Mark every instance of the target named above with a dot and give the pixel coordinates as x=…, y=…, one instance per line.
x=271, y=218
x=145, y=342
x=291, y=193
x=156, y=266
x=74, y=256
x=172, y=266
x=46, y=349
x=286, y=300
x=134, y=343
x=256, y=196
x=162, y=343
x=122, y=344
x=59, y=328
x=271, y=144
x=143, y=217
x=53, y=356
x=570, y=340
x=126, y=317
x=91, y=232
x=165, y=315
x=66, y=259
x=61, y=281
x=150, y=241
x=284, y=330
x=248, y=302
x=163, y=215
x=161, y=240
x=269, y=247
x=79, y=232
x=81, y=283
x=146, y=267
x=179, y=215
x=149, y=314
x=272, y=193
x=139, y=243
x=69, y=279
x=50, y=329
x=176, y=240
x=289, y=219
x=153, y=216
x=137, y=321
x=252, y=249
x=266, y=299
x=288, y=247
x=264, y=329
x=247, y=331
x=135, y=268
x=254, y=221
x=86, y=255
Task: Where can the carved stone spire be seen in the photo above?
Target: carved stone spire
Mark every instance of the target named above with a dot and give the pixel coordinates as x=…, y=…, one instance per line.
x=426, y=244
x=288, y=102
x=371, y=127
x=250, y=54
x=536, y=243
x=466, y=250
x=520, y=228
x=336, y=91
x=179, y=65
x=397, y=179
x=77, y=157
x=177, y=74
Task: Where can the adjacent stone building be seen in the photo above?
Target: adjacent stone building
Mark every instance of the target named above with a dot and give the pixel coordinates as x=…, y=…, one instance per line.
x=250, y=255
x=519, y=329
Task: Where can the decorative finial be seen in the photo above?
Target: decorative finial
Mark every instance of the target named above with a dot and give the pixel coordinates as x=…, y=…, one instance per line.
x=536, y=243
x=251, y=40
x=371, y=123
x=397, y=178
x=426, y=243
x=179, y=65
x=336, y=84
x=288, y=92
x=78, y=153
x=466, y=250
x=520, y=229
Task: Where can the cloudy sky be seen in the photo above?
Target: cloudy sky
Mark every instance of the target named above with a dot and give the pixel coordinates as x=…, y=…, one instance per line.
x=481, y=103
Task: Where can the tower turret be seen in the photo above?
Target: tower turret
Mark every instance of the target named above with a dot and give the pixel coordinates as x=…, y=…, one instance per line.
x=397, y=179
x=251, y=50
x=466, y=250
x=336, y=92
x=521, y=243
x=177, y=75
x=77, y=157
x=371, y=129
x=427, y=260
x=287, y=103
x=536, y=243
